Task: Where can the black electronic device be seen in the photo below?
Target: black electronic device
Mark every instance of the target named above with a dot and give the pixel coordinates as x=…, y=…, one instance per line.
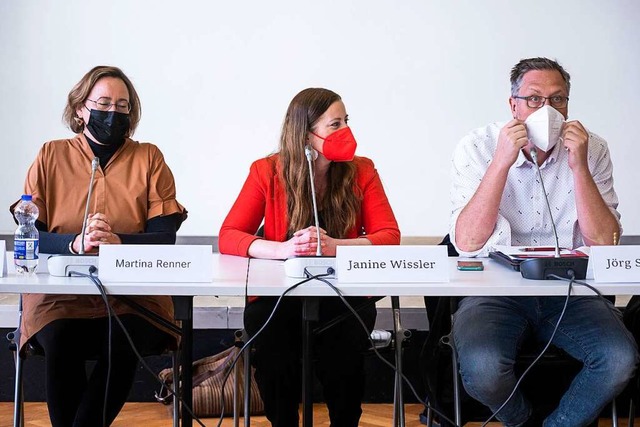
x=567, y=267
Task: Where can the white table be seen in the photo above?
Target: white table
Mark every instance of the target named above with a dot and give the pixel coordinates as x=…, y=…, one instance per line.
x=229, y=279
x=266, y=277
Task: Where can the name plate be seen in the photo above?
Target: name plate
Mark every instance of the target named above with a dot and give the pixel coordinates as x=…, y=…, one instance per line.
x=615, y=263
x=3, y=258
x=155, y=263
x=392, y=264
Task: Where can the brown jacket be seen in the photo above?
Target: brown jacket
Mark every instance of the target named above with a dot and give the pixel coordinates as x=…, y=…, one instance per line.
x=135, y=186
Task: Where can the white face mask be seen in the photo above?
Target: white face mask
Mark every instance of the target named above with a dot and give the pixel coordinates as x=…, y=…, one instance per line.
x=544, y=127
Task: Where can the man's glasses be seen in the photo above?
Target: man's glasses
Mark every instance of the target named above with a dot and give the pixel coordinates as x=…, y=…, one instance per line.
x=537, y=101
x=104, y=104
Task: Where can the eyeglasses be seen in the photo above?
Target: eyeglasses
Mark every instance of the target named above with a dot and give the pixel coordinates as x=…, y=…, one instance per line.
x=103, y=104
x=537, y=101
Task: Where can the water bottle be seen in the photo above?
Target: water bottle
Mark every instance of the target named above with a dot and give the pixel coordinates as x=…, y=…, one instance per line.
x=26, y=238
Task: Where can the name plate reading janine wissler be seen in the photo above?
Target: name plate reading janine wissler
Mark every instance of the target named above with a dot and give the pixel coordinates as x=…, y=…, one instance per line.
x=392, y=264
x=155, y=263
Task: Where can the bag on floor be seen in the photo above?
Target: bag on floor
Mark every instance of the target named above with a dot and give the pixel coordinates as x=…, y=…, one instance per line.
x=208, y=376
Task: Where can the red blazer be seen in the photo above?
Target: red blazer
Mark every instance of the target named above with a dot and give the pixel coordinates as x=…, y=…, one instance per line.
x=263, y=196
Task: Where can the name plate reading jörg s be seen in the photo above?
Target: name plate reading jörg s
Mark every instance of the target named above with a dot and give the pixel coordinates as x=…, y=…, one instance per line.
x=615, y=263
x=155, y=263
x=392, y=264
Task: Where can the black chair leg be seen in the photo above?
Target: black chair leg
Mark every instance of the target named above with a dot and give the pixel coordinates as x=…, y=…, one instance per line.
x=236, y=388
x=429, y=421
x=175, y=361
x=400, y=335
x=247, y=383
x=457, y=405
x=18, y=406
x=18, y=397
x=241, y=339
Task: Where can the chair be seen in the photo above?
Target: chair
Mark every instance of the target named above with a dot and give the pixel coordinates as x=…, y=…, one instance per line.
x=380, y=339
x=241, y=339
x=32, y=348
x=442, y=378
x=383, y=339
x=631, y=318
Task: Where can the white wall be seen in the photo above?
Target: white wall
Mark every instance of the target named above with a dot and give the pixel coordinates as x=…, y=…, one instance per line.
x=216, y=77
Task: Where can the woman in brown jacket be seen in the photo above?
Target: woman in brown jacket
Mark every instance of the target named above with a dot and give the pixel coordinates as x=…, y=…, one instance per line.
x=133, y=201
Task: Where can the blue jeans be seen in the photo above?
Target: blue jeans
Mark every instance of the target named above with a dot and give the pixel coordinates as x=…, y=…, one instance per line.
x=488, y=332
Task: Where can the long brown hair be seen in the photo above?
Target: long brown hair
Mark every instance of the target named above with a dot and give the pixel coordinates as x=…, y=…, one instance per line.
x=81, y=90
x=340, y=203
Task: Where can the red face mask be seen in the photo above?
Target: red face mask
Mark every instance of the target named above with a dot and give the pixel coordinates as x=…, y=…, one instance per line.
x=340, y=146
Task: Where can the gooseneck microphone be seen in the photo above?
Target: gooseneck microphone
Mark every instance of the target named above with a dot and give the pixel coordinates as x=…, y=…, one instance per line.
x=570, y=267
x=314, y=264
x=534, y=157
x=94, y=166
x=65, y=264
x=308, y=151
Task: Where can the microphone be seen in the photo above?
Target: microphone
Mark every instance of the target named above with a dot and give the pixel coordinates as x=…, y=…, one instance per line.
x=295, y=267
x=569, y=267
x=64, y=264
x=310, y=152
x=94, y=165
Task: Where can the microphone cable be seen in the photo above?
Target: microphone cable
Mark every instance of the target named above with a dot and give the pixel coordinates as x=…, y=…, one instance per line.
x=250, y=340
x=586, y=285
x=93, y=269
x=578, y=282
x=96, y=281
x=571, y=281
x=112, y=315
x=542, y=352
x=406, y=380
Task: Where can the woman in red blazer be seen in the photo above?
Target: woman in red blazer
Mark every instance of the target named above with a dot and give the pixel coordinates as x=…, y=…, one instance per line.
x=353, y=210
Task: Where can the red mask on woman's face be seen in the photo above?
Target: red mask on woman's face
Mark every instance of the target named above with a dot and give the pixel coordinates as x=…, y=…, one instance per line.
x=340, y=146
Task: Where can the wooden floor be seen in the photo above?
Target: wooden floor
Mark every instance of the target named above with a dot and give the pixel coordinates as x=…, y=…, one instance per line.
x=156, y=415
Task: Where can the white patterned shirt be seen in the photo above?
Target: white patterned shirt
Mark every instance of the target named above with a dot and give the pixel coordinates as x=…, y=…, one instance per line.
x=523, y=218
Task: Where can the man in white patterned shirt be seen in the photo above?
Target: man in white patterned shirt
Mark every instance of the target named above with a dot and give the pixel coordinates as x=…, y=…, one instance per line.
x=498, y=200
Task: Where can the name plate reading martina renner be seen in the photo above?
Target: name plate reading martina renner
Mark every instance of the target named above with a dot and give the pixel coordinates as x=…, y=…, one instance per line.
x=155, y=263
x=392, y=264
x=615, y=263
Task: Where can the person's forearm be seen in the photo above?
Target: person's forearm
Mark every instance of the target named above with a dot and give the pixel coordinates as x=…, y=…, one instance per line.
x=476, y=222
x=597, y=223
x=162, y=238
x=55, y=243
x=160, y=230
x=266, y=249
x=330, y=250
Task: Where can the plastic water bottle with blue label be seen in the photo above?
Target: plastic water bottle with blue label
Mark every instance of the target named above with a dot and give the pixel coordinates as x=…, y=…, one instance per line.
x=26, y=239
